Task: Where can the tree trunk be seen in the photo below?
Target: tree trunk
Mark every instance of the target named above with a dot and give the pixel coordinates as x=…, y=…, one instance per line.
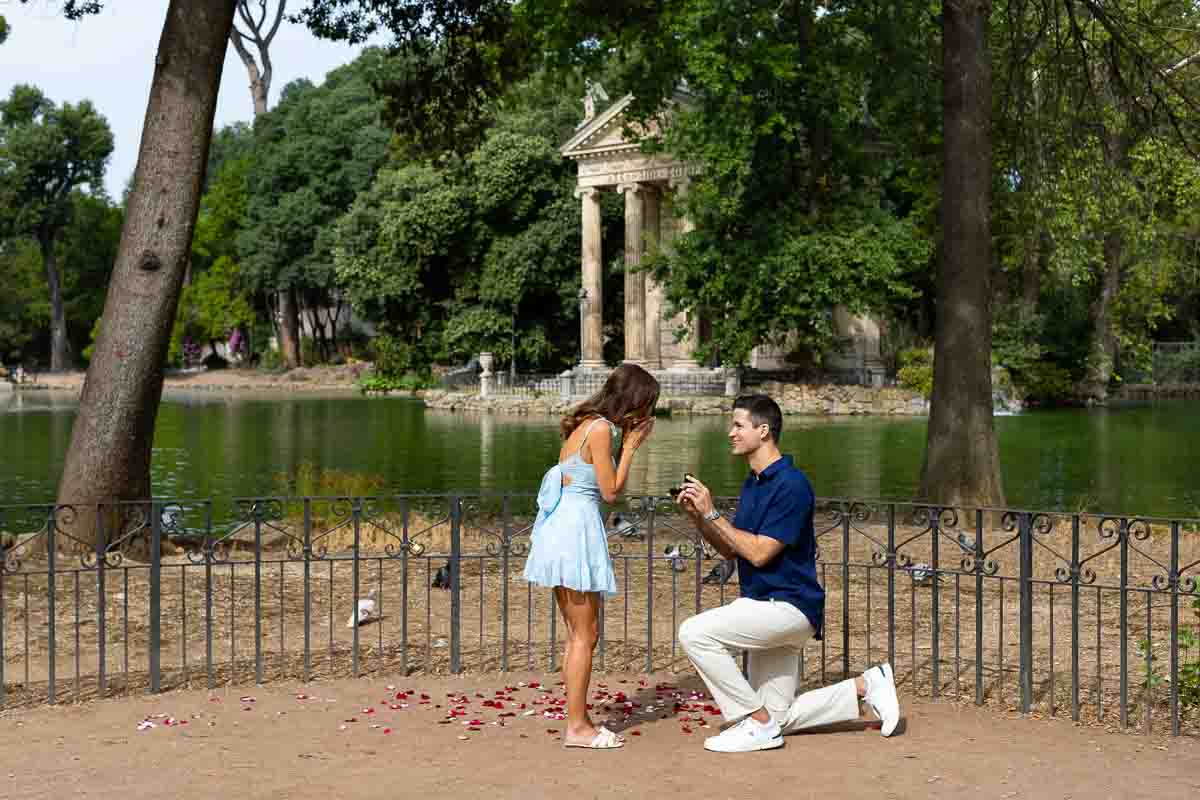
x=60, y=347
x=962, y=464
x=1102, y=355
x=289, y=328
x=109, y=456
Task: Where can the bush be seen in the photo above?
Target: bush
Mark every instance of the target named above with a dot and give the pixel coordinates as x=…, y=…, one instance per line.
x=394, y=357
x=916, y=370
x=1045, y=382
x=409, y=382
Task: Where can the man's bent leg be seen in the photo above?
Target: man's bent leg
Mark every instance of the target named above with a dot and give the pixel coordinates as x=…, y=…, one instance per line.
x=824, y=706
x=711, y=637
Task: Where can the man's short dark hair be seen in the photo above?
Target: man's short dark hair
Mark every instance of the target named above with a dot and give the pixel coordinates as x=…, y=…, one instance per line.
x=763, y=411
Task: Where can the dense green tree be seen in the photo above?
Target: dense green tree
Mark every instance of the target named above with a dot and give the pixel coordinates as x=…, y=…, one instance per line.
x=47, y=151
x=313, y=153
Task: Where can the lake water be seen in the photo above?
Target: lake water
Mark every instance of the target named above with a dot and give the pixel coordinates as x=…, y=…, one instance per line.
x=1132, y=459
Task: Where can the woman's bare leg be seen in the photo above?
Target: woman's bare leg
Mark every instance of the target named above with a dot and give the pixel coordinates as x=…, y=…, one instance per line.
x=581, y=610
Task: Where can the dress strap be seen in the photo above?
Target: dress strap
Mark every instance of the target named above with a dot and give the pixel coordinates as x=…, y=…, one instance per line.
x=587, y=431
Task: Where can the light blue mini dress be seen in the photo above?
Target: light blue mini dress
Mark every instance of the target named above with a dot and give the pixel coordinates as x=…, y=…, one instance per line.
x=569, y=546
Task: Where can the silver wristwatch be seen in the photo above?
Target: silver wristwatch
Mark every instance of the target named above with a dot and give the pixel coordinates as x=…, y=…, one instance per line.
x=712, y=515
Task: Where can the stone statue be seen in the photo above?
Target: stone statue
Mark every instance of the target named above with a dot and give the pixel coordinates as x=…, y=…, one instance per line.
x=593, y=92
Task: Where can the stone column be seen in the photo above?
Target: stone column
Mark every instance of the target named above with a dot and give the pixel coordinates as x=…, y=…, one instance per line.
x=635, y=280
x=652, y=237
x=691, y=341
x=591, y=322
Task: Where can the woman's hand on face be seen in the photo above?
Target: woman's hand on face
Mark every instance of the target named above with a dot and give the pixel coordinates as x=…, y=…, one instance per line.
x=640, y=433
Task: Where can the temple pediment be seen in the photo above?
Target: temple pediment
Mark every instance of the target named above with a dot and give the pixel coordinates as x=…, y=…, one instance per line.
x=602, y=134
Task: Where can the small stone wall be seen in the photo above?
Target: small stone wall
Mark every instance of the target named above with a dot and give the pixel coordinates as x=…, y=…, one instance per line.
x=1155, y=391
x=813, y=400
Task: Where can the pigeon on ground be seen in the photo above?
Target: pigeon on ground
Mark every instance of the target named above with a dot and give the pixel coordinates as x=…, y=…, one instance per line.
x=623, y=527
x=721, y=573
x=923, y=574
x=368, y=611
x=966, y=542
x=441, y=578
x=678, y=562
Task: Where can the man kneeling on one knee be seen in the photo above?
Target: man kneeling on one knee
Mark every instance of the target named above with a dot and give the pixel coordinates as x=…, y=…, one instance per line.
x=782, y=604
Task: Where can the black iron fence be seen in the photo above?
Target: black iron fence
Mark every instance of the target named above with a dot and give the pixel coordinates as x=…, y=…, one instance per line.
x=1091, y=616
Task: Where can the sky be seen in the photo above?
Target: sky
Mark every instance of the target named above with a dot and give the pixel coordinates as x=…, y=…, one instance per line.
x=109, y=59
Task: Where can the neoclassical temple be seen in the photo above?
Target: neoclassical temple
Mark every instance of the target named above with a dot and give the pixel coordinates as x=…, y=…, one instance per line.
x=650, y=184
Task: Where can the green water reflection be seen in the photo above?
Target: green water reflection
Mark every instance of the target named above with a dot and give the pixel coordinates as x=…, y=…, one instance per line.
x=1133, y=459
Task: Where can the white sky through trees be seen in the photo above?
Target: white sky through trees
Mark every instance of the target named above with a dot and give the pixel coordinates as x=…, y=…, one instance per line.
x=109, y=59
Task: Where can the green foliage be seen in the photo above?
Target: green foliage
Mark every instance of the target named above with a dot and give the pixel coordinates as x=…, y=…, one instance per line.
x=312, y=154
x=451, y=256
x=1045, y=382
x=211, y=307
x=313, y=480
x=1016, y=334
x=411, y=382
x=916, y=370
x=24, y=303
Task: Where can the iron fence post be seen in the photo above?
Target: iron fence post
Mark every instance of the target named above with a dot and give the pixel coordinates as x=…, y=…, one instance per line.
x=891, y=581
x=356, y=516
x=101, y=613
x=258, y=654
x=506, y=534
x=1075, y=617
x=650, y=590
x=52, y=614
x=1124, y=623
x=846, y=590
x=307, y=589
x=155, y=597
x=1025, y=670
x=455, y=584
x=1173, y=581
x=978, y=566
x=935, y=615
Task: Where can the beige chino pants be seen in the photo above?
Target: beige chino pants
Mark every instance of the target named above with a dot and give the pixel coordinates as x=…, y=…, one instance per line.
x=773, y=632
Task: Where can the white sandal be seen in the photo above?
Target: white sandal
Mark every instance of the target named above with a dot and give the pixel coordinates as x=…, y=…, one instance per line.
x=603, y=740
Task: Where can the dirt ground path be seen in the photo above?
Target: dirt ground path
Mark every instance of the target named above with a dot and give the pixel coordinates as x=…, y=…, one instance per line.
x=321, y=741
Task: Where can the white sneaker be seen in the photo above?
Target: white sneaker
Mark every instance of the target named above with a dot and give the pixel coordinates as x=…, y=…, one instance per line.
x=746, y=737
x=881, y=696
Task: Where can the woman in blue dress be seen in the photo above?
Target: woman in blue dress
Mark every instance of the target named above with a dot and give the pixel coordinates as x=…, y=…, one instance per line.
x=569, y=548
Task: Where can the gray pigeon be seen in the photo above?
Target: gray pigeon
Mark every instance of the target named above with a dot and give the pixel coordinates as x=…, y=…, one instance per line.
x=678, y=562
x=721, y=573
x=922, y=574
x=623, y=528
x=966, y=541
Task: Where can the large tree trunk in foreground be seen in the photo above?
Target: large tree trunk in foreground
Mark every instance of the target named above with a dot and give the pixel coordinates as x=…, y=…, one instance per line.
x=109, y=455
x=962, y=464
x=60, y=347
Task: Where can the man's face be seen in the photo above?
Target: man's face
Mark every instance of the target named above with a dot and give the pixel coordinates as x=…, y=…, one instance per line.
x=744, y=436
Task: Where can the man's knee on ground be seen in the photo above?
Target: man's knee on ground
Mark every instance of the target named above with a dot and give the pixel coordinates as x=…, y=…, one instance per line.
x=690, y=633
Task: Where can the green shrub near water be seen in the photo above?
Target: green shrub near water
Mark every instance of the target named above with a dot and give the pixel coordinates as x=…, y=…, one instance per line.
x=916, y=370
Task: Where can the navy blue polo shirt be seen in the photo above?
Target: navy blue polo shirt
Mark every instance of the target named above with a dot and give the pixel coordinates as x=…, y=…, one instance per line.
x=778, y=503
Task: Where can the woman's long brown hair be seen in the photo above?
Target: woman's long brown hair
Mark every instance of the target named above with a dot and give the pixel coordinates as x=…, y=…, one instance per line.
x=626, y=399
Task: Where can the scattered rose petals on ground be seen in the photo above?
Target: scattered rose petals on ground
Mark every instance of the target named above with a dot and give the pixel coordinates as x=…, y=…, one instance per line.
x=387, y=730
x=248, y=699
x=635, y=733
x=145, y=725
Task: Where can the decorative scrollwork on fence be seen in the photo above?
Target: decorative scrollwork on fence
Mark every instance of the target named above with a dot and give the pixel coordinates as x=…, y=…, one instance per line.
x=22, y=537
